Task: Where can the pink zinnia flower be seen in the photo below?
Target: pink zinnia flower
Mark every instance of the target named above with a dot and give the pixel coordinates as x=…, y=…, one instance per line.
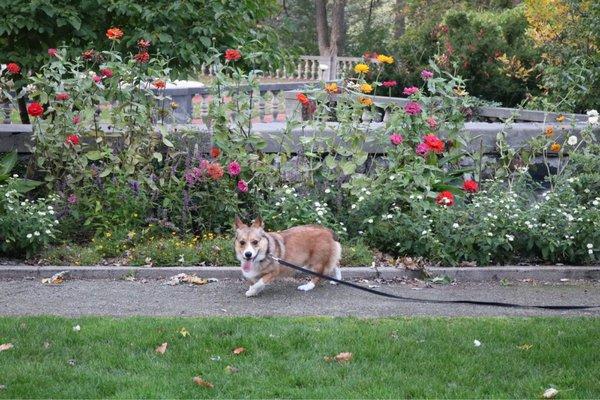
x=408, y=91
x=76, y=119
x=52, y=52
x=412, y=108
x=62, y=96
x=432, y=122
x=422, y=149
x=234, y=168
x=389, y=84
x=72, y=199
x=106, y=72
x=97, y=78
x=426, y=74
x=242, y=186
x=396, y=139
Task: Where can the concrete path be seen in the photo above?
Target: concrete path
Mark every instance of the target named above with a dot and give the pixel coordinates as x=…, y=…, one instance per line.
x=226, y=298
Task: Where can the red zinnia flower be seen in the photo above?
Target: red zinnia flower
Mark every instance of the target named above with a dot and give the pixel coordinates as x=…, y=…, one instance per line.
x=114, y=34
x=159, y=84
x=232, y=55
x=389, y=84
x=433, y=143
x=72, y=140
x=88, y=55
x=106, y=72
x=445, y=198
x=215, y=171
x=52, y=52
x=13, y=68
x=62, y=96
x=35, y=109
x=215, y=152
x=470, y=186
x=142, y=57
x=303, y=99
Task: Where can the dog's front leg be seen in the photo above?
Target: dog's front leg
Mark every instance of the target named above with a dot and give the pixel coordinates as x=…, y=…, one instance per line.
x=258, y=287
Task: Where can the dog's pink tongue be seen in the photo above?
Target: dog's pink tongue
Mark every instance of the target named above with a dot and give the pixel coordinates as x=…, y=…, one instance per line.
x=247, y=265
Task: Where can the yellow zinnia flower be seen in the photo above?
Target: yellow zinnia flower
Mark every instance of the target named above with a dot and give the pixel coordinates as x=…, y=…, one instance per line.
x=555, y=147
x=366, y=101
x=549, y=131
x=560, y=118
x=366, y=88
x=332, y=88
x=361, y=68
x=382, y=58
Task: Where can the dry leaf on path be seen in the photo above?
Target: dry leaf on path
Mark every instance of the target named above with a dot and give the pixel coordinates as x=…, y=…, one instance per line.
x=239, y=350
x=57, y=278
x=550, y=393
x=201, y=382
x=6, y=346
x=162, y=348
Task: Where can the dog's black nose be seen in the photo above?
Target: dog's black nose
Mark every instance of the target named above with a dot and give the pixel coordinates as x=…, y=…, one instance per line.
x=248, y=254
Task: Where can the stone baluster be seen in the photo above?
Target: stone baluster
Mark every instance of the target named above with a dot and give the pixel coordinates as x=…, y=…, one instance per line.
x=315, y=70
x=261, y=106
x=204, y=109
x=275, y=106
x=307, y=69
x=300, y=69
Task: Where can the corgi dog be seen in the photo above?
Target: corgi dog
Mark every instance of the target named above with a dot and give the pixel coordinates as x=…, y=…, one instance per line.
x=311, y=246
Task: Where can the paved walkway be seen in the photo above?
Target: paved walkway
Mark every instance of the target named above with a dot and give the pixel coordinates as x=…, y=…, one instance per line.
x=226, y=298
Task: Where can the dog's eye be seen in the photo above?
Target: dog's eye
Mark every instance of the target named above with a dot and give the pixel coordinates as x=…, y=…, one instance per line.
x=254, y=242
x=242, y=242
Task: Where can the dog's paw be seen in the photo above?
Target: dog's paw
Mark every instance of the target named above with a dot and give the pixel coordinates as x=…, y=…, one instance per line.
x=251, y=292
x=306, y=287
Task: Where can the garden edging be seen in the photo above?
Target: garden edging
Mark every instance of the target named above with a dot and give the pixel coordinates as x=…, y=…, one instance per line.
x=471, y=274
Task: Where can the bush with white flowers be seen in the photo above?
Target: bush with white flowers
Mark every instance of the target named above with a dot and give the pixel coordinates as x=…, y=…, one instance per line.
x=25, y=226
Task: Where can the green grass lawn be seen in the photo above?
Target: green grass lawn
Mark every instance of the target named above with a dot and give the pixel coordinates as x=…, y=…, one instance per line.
x=405, y=357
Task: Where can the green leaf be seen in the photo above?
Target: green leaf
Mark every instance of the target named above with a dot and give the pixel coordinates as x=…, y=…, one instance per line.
x=205, y=41
x=94, y=155
x=105, y=173
x=25, y=185
x=165, y=37
x=158, y=156
x=7, y=162
x=167, y=142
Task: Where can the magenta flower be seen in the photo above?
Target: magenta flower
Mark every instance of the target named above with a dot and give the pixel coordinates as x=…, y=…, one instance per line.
x=426, y=74
x=97, y=78
x=389, y=84
x=76, y=119
x=412, y=108
x=72, y=199
x=408, y=91
x=52, y=52
x=432, y=122
x=234, y=168
x=242, y=186
x=106, y=72
x=422, y=149
x=396, y=139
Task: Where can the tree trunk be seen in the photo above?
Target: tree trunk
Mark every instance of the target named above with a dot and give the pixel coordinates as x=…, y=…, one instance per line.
x=399, y=19
x=336, y=40
x=322, y=28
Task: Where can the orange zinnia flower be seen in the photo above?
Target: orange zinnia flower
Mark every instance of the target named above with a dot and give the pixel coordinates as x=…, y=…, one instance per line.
x=215, y=152
x=366, y=101
x=114, y=34
x=215, y=171
x=159, y=84
x=555, y=147
x=549, y=131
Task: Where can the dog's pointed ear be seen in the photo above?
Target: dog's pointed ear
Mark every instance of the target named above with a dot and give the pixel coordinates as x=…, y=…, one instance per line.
x=258, y=223
x=238, y=224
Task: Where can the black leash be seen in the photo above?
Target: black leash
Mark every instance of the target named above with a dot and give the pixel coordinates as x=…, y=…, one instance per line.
x=415, y=300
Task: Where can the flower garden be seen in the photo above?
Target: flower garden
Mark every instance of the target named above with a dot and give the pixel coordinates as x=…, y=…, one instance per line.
x=111, y=180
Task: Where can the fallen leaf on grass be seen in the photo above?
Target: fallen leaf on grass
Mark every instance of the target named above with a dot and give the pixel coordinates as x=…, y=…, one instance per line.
x=184, y=332
x=525, y=346
x=476, y=343
x=239, y=350
x=201, y=382
x=2, y=387
x=342, y=357
x=550, y=393
x=162, y=348
x=76, y=328
x=6, y=346
x=231, y=369
x=46, y=345
x=72, y=362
